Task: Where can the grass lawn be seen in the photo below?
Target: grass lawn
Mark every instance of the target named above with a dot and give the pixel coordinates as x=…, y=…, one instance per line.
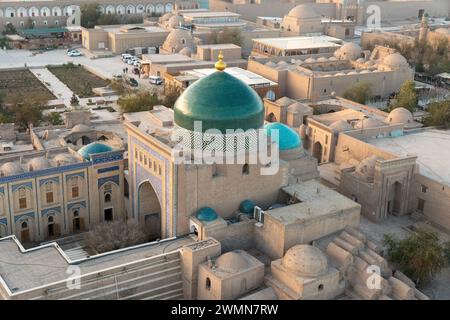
x=22, y=82
x=78, y=79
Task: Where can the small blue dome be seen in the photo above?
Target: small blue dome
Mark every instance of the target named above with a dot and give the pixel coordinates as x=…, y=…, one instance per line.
x=94, y=148
x=247, y=206
x=206, y=214
x=288, y=138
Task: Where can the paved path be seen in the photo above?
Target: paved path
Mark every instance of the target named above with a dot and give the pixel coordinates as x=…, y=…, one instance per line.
x=59, y=89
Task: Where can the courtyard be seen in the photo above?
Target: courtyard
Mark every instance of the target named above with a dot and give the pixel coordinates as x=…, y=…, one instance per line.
x=21, y=82
x=78, y=79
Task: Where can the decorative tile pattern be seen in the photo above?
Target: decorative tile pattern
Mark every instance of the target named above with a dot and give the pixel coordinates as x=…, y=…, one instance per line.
x=103, y=170
x=115, y=179
x=48, y=210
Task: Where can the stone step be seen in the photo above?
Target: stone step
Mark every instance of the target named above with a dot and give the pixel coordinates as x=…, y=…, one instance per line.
x=146, y=293
x=93, y=282
x=133, y=288
x=114, y=283
x=169, y=295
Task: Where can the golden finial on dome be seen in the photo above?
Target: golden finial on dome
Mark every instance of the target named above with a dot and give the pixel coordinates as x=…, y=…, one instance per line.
x=220, y=65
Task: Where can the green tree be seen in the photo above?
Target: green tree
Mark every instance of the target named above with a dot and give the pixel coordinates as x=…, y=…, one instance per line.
x=438, y=114
x=420, y=256
x=108, y=19
x=228, y=35
x=55, y=118
x=113, y=235
x=74, y=101
x=90, y=14
x=10, y=29
x=406, y=97
x=25, y=110
x=358, y=92
x=138, y=101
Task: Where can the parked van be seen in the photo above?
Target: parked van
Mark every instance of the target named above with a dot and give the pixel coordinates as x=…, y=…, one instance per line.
x=155, y=80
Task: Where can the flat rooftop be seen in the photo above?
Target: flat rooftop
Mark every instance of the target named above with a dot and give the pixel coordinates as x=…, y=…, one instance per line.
x=166, y=58
x=126, y=29
x=431, y=146
x=44, y=265
x=248, y=77
x=317, y=201
x=210, y=14
x=293, y=43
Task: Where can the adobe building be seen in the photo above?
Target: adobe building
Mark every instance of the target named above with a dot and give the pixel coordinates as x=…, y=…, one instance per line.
x=59, y=181
x=118, y=39
x=316, y=76
x=282, y=235
x=54, y=14
x=357, y=11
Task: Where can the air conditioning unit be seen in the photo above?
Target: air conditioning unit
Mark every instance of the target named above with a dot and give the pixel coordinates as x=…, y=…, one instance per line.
x=258, y=215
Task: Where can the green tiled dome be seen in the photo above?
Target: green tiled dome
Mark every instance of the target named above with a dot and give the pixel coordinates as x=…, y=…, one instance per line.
x=94, y=148
x=206, y=214
x=220, y=101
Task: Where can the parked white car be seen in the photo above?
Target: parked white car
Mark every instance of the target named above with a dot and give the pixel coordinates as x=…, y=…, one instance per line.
x=155, y=80
x=74, y=53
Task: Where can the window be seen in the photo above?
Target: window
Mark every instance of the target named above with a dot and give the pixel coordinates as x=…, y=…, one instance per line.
x=245, y=169
x=49, y=192
x=75, y=188
x=320, y=287
x=22, y=198
x=424, y=189
x=49, y=197
x=208, y=284
x=24, y=225
x=75, y=192
x=108, y=197
x=420, y=204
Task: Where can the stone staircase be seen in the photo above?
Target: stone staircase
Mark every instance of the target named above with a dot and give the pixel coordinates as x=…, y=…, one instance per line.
x=157, y=278
x=76, y=253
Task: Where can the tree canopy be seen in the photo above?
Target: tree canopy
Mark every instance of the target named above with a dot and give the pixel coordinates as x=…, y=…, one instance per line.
x=420, y=256
x=406, y=97
x=438, y=114
x=358, y=92
x=138, y=101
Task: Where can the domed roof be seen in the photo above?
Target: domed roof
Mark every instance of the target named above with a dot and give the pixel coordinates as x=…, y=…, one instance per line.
x=80, y=128
x=288, y=138
x=395, y=60
x=175, y=21
x=350, y=51
x=94, y=148
x=247, y=206
x=305, y=260
x=400, y=115
x=206, y=214
x=367, y=123
x=444, y=31
x=10, y=168
x=64, y=158
x=366, y=168
x=177, y=40
x=341, y=125
x=303, y=11
x=310, y=60
x=232, y=261
x=38, y=164
x=322, y=59
x=221, y=102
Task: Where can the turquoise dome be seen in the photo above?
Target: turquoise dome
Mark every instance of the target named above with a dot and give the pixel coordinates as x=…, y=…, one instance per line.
x=289, y=139
x=94, y=148
x=220, y=101
x=206, y=214
x=247, y=206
